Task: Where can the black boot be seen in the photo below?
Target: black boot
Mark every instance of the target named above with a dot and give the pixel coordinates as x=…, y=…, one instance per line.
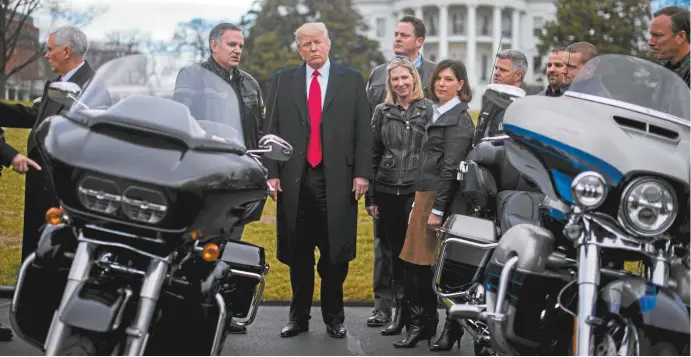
x=451, y=334
x=402, y=315
x=418, y=330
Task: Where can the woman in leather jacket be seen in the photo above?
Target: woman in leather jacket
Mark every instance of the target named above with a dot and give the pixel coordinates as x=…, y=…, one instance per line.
x=398, y=127
x=448, y=139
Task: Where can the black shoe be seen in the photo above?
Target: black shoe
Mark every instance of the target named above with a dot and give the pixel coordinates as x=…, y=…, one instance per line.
x=235, y=329
x=451, y=334
x=400, y=320
x=379, y=318
x=294, y=328
x=336, y=330
x=5, y=334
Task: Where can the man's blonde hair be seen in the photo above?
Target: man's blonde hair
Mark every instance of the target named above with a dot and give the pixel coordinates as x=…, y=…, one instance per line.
x=312, y=29
x=418, y=93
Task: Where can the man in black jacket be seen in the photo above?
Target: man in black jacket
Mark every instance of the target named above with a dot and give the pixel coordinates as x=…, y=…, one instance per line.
x=555, y=74
x=226, y=42
x=65, y=54
x=669, y=39
x=409, y=36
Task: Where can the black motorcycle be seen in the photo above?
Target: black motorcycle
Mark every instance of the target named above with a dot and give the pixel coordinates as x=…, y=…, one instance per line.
x=611, y=157
x=137, y=259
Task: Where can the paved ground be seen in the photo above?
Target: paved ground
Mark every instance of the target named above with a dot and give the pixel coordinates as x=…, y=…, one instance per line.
x=264, y=338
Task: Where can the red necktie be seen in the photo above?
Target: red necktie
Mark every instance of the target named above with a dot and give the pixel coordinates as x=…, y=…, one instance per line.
x=314, y=102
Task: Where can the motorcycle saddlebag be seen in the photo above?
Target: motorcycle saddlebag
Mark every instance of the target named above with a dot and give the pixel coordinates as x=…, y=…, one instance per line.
x=467, y=243
x=238, y=291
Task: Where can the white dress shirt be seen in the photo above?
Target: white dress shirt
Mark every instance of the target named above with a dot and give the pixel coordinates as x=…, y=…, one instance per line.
x=71, y=73
x=439, y=110
x=323, y=79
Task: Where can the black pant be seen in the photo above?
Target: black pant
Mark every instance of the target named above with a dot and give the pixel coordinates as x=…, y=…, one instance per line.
x=392, y=226
x=312, y=231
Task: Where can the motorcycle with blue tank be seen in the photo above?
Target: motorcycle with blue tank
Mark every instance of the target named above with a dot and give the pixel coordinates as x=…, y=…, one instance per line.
x=611, y=157
x=137, y=258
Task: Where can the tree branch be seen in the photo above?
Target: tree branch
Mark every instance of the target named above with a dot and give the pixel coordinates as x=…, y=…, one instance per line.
x=23, y=65
x=29, y=7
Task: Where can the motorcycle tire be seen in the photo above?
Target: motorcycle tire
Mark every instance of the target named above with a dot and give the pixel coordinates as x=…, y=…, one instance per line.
x=83, y=343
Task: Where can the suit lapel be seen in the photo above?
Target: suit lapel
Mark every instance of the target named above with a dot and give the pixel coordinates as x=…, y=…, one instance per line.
x=299, y=91
x=335, y=82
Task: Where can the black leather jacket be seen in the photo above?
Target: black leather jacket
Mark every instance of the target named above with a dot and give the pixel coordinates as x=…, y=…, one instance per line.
x=250, y=97
x=397, y=140
x=448, y=141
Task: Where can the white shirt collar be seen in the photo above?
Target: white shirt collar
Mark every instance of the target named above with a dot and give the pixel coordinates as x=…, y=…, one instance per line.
x=447, y=106
x=71, y=73
x=323, y=71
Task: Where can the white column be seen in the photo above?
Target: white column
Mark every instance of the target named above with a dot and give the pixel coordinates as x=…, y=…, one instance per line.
x=515, y=29
x=443, y=31
x=420, y=15
x=471, y=45
x=496, y=29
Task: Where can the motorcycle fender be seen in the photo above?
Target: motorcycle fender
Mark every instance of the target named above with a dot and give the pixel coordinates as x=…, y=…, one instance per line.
x=652, y=305
x=96, y=306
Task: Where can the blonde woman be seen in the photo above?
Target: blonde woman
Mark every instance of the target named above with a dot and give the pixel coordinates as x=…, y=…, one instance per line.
x=398, y=127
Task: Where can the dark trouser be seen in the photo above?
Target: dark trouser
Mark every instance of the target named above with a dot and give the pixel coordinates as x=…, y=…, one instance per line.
x=391, y=228
x=312, y=231
x=381, y=282
x=38, y=199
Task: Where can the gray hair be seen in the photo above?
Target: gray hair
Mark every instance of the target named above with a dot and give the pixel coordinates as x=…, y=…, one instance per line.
x=311, y=29
x=518, y=60
x=72, y=37
x=217, y=32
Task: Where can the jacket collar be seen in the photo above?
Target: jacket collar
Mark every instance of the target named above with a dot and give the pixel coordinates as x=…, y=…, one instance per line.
x=222, y=71
x=450, y=116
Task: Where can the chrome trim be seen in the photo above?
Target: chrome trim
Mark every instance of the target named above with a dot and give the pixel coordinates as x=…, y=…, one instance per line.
x=119, y=221
x=628, y=106
x=588, y=285
x=256, y=299
x=125, y=246
x=15, y=301
x=217, y=346
x=503, y=286
x=631, y=229
x=118, y=317
x=495, y=138
x=440, y=263
x=124, y=234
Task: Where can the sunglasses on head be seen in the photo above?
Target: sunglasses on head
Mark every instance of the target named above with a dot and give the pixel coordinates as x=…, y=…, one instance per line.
x=401, y=58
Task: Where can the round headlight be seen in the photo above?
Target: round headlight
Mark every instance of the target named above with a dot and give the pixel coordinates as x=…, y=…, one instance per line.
x=648, y=207
x=589, y=190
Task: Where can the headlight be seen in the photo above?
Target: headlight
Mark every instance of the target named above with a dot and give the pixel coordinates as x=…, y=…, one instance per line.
x=144, y=205
x=99, y=195
x=589, y=190
x=648, y=207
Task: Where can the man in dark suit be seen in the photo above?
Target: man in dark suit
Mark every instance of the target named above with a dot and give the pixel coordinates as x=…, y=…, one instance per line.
x=65, y=54
x=409, y=36
x=321, y=109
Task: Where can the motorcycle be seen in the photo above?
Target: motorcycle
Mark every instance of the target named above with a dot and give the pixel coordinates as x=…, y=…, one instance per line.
x=611, y=157
x=137, y=258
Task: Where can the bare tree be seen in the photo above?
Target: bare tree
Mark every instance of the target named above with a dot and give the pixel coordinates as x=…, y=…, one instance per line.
x=192, y=37
x=19, y=45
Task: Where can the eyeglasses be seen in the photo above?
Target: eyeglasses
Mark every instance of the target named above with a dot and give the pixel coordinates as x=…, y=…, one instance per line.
x=401, y=58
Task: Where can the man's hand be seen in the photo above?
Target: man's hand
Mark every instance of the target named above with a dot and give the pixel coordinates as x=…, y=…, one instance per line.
x=360, y=187
x=373, y=211
x=21, y=163
x=274, y=187
x=434, y=221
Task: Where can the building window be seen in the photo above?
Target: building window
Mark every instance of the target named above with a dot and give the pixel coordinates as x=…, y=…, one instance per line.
x=485, y=25
x=538, y=24
x=457, y=23
x=381, y=27
x=537, y=64
x=506, y=25
x=431, y=24
x=433, y=57
x=485, y=67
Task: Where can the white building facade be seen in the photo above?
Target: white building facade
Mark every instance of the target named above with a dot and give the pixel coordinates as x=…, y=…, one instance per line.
x=467, y=30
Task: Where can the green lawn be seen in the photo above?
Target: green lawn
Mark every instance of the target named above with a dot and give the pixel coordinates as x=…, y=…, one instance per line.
x=358, y=286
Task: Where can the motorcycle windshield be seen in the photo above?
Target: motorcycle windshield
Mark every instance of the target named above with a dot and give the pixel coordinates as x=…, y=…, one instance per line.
x=635, y=84
x=164, y=95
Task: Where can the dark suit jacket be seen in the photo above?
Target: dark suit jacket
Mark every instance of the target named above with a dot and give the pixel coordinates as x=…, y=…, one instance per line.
x=346, y=146
x=38, y=197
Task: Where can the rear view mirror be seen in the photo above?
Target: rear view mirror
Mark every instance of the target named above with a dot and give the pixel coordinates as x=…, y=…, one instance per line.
x=65, y=93
x=274, y=148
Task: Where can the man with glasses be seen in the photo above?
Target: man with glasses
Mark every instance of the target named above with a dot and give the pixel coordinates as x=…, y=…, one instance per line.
x=409, y=36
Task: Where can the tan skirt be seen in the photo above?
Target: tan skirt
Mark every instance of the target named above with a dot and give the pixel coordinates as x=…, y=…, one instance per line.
x=420, y=245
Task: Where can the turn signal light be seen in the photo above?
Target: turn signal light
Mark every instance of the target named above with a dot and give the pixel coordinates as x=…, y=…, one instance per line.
x=194, y=235
x=210, y=252
x=54, y=216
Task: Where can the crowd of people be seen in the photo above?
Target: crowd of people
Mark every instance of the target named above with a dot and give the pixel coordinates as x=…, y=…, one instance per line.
x=396, y=140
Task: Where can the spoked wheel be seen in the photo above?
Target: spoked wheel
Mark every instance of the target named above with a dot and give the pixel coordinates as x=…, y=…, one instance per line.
x=619, y=336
